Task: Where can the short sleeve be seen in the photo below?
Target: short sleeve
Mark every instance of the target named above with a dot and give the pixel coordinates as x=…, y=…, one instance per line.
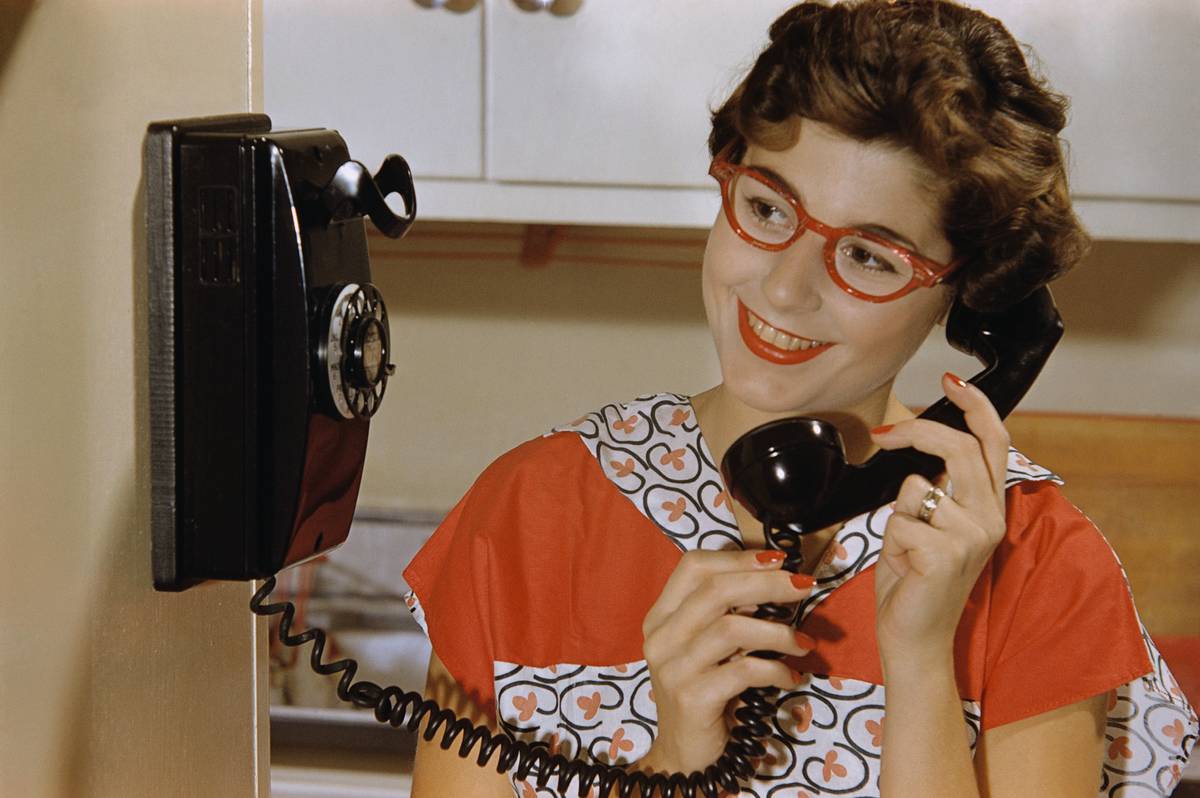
x=449, y=579
x=1062, y=626
x=532, y=568
x=470, y=582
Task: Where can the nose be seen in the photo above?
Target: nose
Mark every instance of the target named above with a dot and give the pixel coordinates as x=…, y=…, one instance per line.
x=797, y=276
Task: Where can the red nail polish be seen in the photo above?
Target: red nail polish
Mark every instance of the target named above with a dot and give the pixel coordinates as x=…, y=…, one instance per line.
x=769, y=557
x=797, y=676
x=805, y=642
x=957, y=380
x=881, y=430
x=803, y=581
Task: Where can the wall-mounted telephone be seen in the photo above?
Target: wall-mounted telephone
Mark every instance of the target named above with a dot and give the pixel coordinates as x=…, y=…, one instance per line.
x=269, y=346
x=269, y=353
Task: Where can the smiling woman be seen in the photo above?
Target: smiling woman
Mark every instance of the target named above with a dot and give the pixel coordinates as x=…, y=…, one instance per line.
x=812, y=285
x=594, y=592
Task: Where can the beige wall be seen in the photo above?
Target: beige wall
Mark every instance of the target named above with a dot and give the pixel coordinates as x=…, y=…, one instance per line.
x=106, y=687
x=490, y=353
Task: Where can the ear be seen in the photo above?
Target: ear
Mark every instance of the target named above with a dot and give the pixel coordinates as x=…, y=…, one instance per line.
x=951, y=297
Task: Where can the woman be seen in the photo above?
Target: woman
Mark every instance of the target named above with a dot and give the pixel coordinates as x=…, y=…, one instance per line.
x=593, y=589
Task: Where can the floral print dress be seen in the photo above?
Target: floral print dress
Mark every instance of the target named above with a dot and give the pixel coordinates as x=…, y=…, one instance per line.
x=534, y=588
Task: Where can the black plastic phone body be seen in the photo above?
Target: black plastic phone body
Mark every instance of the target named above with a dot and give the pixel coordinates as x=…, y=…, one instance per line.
x=792, y=474
x=259, y=413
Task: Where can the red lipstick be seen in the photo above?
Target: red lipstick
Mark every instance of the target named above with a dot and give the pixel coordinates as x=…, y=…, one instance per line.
x=770, y=352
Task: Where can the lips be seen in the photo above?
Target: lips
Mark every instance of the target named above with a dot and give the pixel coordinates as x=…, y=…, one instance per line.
x=775, y=345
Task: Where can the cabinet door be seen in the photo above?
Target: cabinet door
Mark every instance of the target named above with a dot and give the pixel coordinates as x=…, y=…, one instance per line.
x=390, y=75
x=1130, y=70
x=618, y=92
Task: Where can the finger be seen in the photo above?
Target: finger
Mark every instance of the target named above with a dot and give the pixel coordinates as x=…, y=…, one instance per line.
x=984, y=423
x=697, y=567
x=914, y=492
x=980, y=535
x=962, y=453
x=911, y=498
x=727, y=681
x=713, y=599
x=893, y=552
x=983, y=531
x=724, y=591
x=975, y=533
x=730, y=634
x=917, y=546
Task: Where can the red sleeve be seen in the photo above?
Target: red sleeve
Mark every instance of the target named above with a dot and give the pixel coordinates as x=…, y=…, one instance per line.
x=450, y=575
x=533, y=567
x=1061, y=626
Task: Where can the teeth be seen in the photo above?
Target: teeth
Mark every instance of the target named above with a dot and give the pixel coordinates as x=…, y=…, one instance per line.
x=777, y=338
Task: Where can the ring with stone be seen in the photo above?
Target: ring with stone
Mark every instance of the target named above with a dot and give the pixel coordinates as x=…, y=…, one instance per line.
x=930, y=503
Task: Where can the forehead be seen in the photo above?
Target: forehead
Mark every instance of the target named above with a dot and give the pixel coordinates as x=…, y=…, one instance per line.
x=848, y=183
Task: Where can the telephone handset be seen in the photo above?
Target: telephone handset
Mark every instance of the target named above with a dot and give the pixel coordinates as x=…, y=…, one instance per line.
x=792, y=474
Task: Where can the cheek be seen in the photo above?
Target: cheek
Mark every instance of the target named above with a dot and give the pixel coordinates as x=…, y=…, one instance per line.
x=714, y=284
x=727, y=261
x=899, y=335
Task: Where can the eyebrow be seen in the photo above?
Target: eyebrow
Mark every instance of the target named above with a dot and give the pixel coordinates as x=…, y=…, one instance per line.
x=870, y=227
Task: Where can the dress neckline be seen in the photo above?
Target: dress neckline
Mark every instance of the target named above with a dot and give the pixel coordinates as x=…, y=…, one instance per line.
x=710, y=461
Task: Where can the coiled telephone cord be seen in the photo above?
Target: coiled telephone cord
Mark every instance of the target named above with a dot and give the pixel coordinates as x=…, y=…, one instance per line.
x=399, y=707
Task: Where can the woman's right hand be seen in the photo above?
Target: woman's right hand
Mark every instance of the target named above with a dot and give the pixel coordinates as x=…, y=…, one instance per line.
x=695, y=637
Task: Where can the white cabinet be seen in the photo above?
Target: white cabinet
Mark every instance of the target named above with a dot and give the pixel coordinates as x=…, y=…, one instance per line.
x=617, y=93
x=601, y=116
x=1130, y=71
x=390, y=75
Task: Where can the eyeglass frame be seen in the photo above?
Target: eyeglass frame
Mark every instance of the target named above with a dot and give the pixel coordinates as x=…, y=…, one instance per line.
x=926, y=273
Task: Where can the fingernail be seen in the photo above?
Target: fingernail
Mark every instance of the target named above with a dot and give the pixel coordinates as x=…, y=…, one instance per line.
x=957, y=380
x=805, y=642
x=797, y=676
x=766, y=557
x=881, y=430
x=802, y=581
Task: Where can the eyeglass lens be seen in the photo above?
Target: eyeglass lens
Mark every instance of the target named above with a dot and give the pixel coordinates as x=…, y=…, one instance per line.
x=766, y=216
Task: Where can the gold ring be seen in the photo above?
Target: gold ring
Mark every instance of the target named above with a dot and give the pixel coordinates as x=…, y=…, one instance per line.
x=930, y=503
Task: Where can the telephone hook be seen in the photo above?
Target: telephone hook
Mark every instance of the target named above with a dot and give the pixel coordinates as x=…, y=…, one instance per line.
x=353, y=191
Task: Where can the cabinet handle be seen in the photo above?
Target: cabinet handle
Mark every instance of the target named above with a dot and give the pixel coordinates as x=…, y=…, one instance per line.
x=457, y=6
x=559, y=8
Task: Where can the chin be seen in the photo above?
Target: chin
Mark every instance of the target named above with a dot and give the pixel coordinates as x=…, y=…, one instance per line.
x=783, y=391
x=775, y=396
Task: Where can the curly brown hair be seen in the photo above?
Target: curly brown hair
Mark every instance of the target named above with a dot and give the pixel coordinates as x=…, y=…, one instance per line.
x=948, y=83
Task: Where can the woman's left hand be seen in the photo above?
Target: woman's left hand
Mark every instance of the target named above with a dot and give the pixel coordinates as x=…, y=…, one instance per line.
x=927, y=569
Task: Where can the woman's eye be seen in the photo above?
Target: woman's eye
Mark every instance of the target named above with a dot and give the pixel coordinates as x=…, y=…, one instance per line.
x=767, y=212
x=866, y=259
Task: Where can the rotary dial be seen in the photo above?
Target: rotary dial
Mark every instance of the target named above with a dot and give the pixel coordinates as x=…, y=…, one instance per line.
x=357, y=351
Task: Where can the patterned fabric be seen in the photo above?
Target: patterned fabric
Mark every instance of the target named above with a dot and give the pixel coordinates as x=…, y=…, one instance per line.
x=534, y=589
